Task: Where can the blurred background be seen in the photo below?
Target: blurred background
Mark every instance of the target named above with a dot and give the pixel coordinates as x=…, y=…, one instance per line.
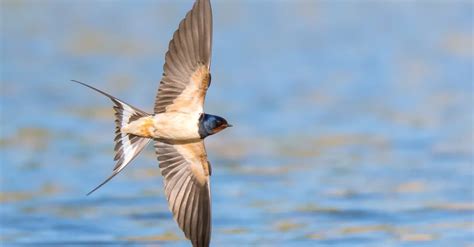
x=353, y=122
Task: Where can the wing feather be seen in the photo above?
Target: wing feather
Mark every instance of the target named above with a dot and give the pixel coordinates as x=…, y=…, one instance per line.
x=188, y=209
x=185, y=170
x=186, y=73
x=194, y=215
x=185, y=193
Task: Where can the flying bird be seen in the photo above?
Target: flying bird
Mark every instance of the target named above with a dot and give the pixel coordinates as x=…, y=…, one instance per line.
x=178, y=125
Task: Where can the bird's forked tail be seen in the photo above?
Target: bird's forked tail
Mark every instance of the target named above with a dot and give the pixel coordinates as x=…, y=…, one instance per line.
x=127, y=146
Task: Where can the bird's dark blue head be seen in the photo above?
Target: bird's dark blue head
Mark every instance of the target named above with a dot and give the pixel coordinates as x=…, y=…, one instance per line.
x=210, y=124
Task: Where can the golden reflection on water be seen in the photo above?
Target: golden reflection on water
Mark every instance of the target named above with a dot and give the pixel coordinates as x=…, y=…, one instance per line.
x=166, y=236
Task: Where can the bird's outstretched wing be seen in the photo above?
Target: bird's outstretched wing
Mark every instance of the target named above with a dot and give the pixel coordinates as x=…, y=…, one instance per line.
x=186, y=75
x=186, y=172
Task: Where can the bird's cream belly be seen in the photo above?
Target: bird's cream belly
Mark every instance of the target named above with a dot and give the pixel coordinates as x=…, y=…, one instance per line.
x=176, y=126
x=168, y=126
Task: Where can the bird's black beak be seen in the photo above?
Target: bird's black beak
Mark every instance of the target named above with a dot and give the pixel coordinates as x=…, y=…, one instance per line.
x=229, y=125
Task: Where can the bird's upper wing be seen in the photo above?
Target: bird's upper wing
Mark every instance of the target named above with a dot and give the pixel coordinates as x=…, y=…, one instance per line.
x=186, y=172
x=186, y=75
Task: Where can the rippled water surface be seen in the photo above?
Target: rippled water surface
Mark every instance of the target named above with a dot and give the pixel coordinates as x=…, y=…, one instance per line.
x=353, y=123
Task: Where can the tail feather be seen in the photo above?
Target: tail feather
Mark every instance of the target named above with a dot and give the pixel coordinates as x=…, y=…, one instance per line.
x=127, y=146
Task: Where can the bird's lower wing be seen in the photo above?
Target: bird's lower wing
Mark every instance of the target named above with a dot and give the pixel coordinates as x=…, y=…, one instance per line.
x=186, y=172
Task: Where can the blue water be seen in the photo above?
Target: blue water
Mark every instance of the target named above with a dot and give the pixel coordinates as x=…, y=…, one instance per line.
x=353, y=123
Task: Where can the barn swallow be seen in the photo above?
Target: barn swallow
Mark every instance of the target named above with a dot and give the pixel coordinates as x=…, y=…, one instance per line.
x=178, y=125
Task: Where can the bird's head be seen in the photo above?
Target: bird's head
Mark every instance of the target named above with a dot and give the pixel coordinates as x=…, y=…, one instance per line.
x=210, y=125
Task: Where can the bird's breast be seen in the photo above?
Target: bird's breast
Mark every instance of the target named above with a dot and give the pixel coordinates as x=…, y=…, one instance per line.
x=176, y=126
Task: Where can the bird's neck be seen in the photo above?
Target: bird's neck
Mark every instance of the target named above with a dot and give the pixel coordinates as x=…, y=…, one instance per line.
x=204, y=125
